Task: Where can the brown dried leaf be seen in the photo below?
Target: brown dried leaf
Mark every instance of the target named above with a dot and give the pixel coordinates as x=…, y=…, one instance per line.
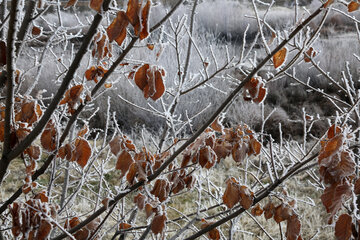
x=150, y=46
x=108, y=85
x=255, y=146
x=343, y=229
x=94, y=72
x=70, y=3
x=42, y=196
x=117, y=29
x=35, y=31
x=357, y=186
x=149, y=80
x=331, y=147
x=115, y=145
x=333, y=197
x=246, y=197
x=140, y=201
x=124, y=162
x=2, y=127
x=83, y=131
x=96, y=4
x=222, y=148
x=44, y=230
x=124, y=226
x=214, y=233
x=149, y=210
x=239, y=151
x=130, y=177
x=133, y=14
x=257, y=210
x=353, y=6
x=279, y=57
x=217, y=126
x=144, y=20
x=232, y=193
x=82, y=152
x=293, y=228
x=48, y=137
x=158, y=224
x=333, y=131
x=282, y=213
x=161, y=189
x=33, y=152
x=72, y=96
x=207, y=157
x=309, y=54
x=328, y=3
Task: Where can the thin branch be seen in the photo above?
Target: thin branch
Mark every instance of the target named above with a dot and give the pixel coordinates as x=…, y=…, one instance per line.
x=258, y=198
x=63, y=87
x=30, y=8
x=4, y=162
x=219, y=110
x=73, y=118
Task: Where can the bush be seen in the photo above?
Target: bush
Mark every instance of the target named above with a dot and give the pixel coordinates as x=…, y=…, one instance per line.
x=137, y=121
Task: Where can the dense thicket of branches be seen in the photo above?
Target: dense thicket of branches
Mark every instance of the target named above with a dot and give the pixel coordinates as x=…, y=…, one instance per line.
x=78, y=81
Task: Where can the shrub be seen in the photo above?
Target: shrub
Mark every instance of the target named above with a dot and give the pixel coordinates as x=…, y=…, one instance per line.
x=174, y=151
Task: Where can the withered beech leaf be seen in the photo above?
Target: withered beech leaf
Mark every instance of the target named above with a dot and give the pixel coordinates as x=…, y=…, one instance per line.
x=133, y=14
x=35, y=31
x=150, y=46
x=232, y=193
x=214, y=233
x=158, y=224
x=70, y=3
x=96, y=4
x=239, y=151
x=83, y=131
x=343, y=227
x=357, y=186
x=217, y=125
x=149, y=210
x=115, y=145
x=257, y=210
x=333, y=131
x=246, y=197
x=161, y=189
x=293, y=228
x=82, y=152
x=282, y=212
x=254, y=90
x=124, y=162
x=94, y=72
x=309, y=54
x=279, y=57
x=72, y=97
x=48, y=137
x=353, y=6
x=333, y=197
x=328, y=3
x=331, y=147
x=130, y=177
x=124, y=226
x=140, y=201
x=44, y=230
x=144, y=20
x=117, y=29
x=150, y=80
x=207, y=157
x=255, y=146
